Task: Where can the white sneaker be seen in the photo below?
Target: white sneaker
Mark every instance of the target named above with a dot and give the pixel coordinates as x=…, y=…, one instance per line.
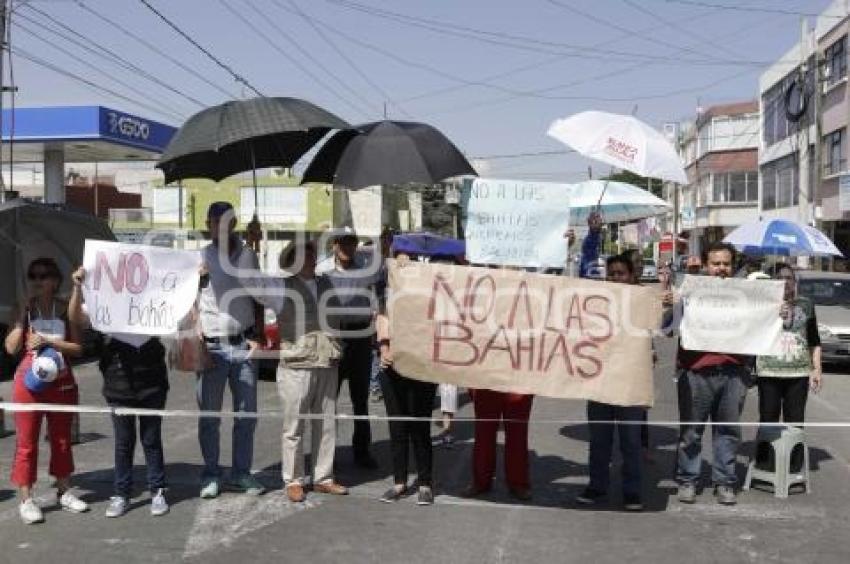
x=30, y=512
x=72, y=503
x=117, y=506
x=159, y=505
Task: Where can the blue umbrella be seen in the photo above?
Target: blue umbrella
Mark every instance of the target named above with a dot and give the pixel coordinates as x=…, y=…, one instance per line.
x=781, y=237
x=428, y=244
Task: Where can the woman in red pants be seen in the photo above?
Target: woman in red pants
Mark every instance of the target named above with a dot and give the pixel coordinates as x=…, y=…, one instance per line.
x=513, y=410
x=41, y=322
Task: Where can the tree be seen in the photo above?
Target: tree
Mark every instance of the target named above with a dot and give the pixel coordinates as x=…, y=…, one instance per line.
x=630, y=177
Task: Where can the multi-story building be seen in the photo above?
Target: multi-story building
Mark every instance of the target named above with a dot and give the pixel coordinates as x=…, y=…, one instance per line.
x=720, y=152
x=791, y=187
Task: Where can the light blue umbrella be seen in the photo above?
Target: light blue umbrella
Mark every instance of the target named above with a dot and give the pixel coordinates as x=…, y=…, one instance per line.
x=617, y=201
x=781, y=237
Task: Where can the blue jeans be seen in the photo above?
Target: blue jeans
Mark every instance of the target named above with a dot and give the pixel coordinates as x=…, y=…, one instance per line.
x=150, y=435
x=229, y=367
x=602, y=445
x=719, y=394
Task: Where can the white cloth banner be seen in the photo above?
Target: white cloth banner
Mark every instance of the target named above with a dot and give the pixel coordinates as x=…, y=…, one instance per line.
x=731, y=315
x=138, y=289
x=516, y=223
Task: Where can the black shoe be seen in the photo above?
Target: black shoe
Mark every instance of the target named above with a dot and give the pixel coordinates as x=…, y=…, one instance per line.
x=393, y=494
x=632, y=503
x=590, y=497
x=366, y=461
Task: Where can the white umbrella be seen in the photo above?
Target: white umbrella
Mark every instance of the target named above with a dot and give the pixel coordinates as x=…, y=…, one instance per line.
x=617, y=201
x=621, y=141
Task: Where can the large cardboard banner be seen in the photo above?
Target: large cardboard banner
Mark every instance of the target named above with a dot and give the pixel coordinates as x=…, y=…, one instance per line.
x=514, y=331
x=510, y=222
x=138, y=289
x=731, y=315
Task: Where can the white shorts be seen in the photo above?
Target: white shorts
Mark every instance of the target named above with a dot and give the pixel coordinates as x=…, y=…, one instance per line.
x=448, y=398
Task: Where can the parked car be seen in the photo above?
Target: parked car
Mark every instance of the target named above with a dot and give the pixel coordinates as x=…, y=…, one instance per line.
x=650, y=270
x=830, y=292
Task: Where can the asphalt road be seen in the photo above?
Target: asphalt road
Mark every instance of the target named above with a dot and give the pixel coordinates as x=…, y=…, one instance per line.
x=804, y=528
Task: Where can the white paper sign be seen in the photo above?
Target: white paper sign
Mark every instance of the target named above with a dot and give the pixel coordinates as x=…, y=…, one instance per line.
x=516, y=223
x=138, y=289
x=731, y=315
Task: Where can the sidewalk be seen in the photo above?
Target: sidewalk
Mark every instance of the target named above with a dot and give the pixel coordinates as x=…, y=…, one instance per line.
x=551, y=528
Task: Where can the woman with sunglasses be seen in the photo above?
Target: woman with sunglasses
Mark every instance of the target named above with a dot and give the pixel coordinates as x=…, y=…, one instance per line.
x=41, y=323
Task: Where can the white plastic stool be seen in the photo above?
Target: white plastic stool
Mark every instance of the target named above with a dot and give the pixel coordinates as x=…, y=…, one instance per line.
x=782, y=440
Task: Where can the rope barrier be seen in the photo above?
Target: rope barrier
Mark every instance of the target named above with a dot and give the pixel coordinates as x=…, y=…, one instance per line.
x=277, y=414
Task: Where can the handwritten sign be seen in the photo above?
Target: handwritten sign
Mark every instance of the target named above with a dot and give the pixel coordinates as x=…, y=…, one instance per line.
x=138, y=289
x=731, y=315
x=516, y=223
x=514, y=331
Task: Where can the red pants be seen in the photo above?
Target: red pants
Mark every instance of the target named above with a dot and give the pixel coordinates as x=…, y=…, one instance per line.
x=28, y=427
x=500, y=405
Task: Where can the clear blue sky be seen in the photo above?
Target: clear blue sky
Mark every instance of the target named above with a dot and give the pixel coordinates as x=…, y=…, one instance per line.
x=451, y=63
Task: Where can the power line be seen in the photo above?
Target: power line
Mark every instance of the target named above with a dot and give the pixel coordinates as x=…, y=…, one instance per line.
x=163, y=108
x=236, y=76
x=41, y=62
x=523, y=42
x=303, y=67
x=751, y=9
x=332, y=43
x=153, y=48
x=103, y=52
x=523, y=155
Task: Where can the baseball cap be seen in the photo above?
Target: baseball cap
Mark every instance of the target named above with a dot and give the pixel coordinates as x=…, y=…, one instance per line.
x=218, y=209
x=44, y=370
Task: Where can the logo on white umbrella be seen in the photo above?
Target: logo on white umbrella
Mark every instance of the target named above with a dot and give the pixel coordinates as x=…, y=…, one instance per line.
x=787, y=239
x=621, y=150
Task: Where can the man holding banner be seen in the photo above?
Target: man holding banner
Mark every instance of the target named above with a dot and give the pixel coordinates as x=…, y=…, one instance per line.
x=711, y=384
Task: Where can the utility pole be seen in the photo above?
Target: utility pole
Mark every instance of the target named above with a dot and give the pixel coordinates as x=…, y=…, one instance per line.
x=3, y=6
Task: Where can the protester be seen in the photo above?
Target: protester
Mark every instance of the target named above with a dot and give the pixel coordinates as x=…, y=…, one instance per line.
x=405, y=397
x=231, y=321
x=514, y=411
x=307, y=378
x=784, y=380
x=619, y=269
x=711, y=385
x=693, y=265
x=352, y=303
x=590, y=245
x=134, y=376
x=634, y=256
x=44, y=375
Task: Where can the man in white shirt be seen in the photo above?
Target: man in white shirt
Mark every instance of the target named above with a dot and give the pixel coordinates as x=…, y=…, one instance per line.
x=233, y=292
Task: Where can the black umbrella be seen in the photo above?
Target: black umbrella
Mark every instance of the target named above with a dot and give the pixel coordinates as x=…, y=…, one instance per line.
x=243, y=135
x=387, y=152
x=30, y=230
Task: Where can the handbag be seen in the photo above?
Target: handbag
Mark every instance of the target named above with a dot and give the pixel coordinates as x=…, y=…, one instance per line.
x=190, y=353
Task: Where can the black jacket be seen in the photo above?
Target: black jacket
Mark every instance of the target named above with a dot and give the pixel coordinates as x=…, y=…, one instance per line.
x=131, y=374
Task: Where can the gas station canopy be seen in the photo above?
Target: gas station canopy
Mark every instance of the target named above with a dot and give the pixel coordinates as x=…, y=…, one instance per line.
x=73, y=134
x=82, y=134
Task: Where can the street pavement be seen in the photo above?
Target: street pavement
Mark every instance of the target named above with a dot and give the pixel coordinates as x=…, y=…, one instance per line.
x=805, y=528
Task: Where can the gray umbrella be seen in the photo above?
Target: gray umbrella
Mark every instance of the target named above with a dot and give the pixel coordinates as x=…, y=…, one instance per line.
x=243, y=135
x=30, y=230
x=387, y=152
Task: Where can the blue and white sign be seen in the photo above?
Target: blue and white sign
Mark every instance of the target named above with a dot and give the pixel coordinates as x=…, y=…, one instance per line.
x=516, y=223
x=844, y=193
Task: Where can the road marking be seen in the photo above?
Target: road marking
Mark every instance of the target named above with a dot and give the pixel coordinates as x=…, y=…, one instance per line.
x=221, y=522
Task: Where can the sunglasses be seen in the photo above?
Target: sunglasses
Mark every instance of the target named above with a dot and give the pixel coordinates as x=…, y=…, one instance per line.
x=39, y=276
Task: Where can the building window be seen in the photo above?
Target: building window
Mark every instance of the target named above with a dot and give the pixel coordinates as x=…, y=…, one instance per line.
x=780, y=183
x=835, y=159
x=734, y=187
x=775, y=124
x=835, y=57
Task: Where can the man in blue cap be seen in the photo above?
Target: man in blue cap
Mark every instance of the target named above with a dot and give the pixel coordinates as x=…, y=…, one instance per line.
x=231, y=316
